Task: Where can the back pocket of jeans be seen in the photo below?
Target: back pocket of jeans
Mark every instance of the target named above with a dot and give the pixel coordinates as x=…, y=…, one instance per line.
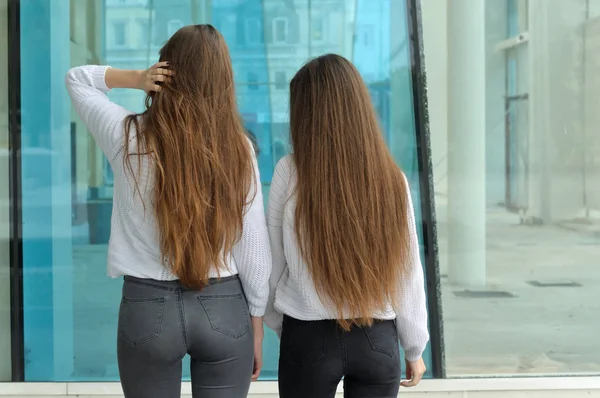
x=383, y=337
x=227, y=314
x=303, y=342
x=140, y=320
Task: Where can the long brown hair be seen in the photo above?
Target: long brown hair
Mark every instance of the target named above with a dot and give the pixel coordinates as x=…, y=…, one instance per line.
x=351, y=211
x=203, y=170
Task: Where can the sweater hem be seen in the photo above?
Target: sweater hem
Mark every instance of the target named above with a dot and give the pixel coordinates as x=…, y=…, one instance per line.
x=413, y=356
x=320, y=316
x=257, y=312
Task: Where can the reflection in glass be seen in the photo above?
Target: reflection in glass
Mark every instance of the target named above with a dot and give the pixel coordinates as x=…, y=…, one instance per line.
x=70, y=304
x=513, y=88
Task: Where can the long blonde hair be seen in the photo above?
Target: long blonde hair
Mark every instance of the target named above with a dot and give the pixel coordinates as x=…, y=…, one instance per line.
x=202, y=156
x=351, y=212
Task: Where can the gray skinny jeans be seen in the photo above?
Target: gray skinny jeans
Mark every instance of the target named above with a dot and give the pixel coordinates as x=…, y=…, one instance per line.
x=161, y=321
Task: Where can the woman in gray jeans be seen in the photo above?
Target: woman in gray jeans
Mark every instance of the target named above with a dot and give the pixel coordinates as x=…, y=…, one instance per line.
x=188, y=231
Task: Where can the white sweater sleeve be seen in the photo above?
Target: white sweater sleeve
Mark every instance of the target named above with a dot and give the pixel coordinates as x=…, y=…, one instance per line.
x=277, y=199
x=103, y=118
x=252, y=253
x=411, y=318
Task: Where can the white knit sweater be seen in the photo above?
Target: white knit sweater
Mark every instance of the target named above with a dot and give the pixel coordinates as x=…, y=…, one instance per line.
x=134, y=242
x=292, y=291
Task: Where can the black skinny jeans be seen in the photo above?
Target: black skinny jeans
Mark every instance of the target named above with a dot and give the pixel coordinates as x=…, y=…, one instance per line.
x=160, y=322
x=316, y=355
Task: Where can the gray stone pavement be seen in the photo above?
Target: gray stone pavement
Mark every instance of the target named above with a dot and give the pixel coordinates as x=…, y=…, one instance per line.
x=541, y=329
x=538, y=331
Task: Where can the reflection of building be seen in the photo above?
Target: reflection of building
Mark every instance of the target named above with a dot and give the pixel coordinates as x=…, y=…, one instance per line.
x=268, y=42
x=512, y=99
x=66, y=183
x=127, y=44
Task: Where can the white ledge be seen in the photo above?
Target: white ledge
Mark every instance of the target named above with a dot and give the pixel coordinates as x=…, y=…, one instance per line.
x=584, y=386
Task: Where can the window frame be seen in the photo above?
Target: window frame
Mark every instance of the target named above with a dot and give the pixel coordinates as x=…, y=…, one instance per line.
x=247, y=28
x=114, y=24
x=274, y=22
x=16, y=71
x=252, y=78
x=280, y=80
x=144, y=26
x=321, y=19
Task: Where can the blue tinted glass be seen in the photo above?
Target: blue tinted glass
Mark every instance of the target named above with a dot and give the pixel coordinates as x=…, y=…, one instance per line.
x=513, y=18
x=70, y=305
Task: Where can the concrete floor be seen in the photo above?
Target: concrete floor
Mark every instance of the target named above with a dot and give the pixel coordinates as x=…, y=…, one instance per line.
x=540, y=330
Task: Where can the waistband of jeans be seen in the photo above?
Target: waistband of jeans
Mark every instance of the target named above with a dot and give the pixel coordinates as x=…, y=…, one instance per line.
x=176, y=284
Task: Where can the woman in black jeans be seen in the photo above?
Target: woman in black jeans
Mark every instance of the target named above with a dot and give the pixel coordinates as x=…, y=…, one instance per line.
x=188, y=231
x=347, y=280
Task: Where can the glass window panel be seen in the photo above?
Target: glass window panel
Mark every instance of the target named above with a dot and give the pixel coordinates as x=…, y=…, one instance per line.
x=280, y=30
x=513, y=17
x=144, y=33
x=5, y=320
x=280, y=80
x=173, y=26
x=67, y=183
x=253, y=31
x=593, y=9
x=317, y=28
x=515, y=155
x=119, y=33
x=517, y=21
